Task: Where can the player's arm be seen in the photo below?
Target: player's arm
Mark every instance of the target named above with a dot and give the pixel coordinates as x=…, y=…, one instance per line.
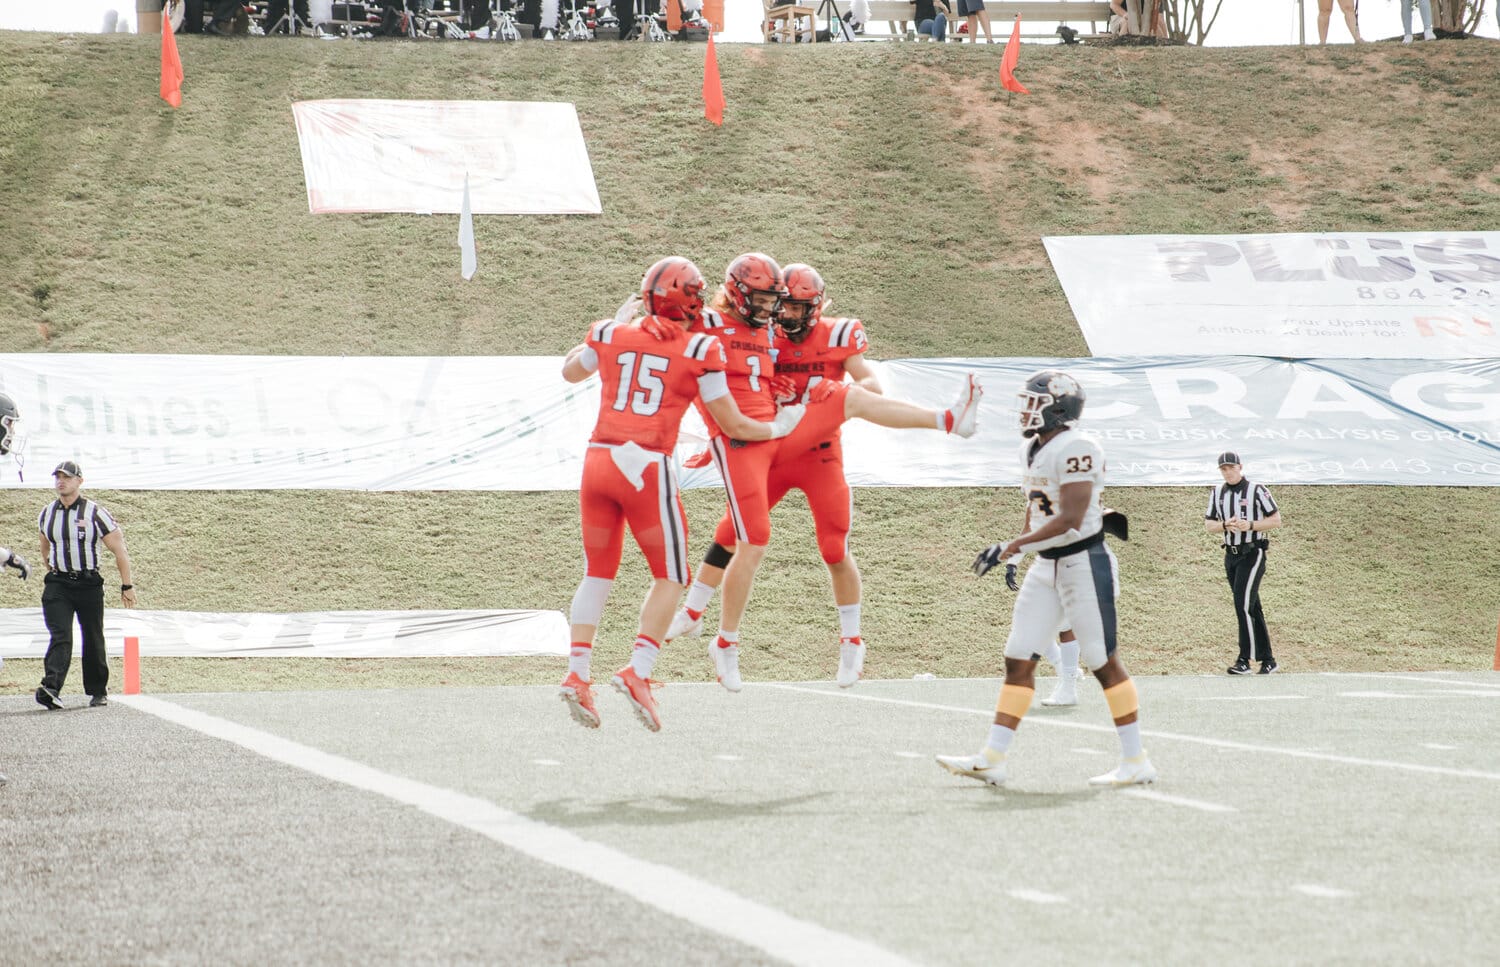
x=1073, y=503
x=863, y=374
x=580, y=364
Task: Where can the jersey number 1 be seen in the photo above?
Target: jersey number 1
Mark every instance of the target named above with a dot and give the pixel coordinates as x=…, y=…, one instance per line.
x=647, y=399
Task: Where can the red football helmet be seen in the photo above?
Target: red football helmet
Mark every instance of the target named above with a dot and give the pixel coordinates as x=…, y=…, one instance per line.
x=755, y=274
x=802, y=306
x=673, y=289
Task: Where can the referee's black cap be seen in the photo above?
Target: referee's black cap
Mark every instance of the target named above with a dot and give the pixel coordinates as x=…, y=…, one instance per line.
x=1228, y=458
x=68, y=468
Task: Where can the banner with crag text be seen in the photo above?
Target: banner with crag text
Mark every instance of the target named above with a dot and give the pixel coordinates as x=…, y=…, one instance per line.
x=158, y=422
x=1379, y=295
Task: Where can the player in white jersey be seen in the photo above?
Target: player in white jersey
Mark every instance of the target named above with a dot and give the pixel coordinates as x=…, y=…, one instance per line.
x=1072, y=582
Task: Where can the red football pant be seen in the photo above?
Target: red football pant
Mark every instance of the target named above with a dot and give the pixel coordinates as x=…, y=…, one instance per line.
x=819, y=474
x=608, y=502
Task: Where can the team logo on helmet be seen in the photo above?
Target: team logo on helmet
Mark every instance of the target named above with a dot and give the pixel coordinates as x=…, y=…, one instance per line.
x=802, y=306
x=1050, y=400
x=673, y=289
x=755, y=285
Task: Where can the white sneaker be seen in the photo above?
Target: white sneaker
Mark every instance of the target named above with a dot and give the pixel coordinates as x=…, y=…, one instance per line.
x=851, y=664
x=1428, y=35
x=1130, y=772
x=1066, y=692
x=966, y=410
x=685, y=624
x=726, y=665
x=986, y=766
x=1406, y=39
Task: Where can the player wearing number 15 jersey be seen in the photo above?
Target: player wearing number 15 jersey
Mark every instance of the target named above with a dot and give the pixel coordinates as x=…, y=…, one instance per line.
x=1073, y=580
x=650, y=370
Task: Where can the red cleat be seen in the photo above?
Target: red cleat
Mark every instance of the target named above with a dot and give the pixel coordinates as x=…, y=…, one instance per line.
x=638, y=690
x=578, y=695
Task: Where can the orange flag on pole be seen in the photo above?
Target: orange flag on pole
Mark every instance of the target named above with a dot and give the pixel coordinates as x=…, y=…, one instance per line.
x=1008, y=62
x=171, y=65
x=713, y=91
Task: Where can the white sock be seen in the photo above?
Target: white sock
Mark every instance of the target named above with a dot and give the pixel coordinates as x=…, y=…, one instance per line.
x=1130, y=740
x=729, y=637
x=1000, y=737
x=945, y=419
x=698, y=597
x=849, y=620
x=643, y=658
x=1067, y=667
x=578, y=659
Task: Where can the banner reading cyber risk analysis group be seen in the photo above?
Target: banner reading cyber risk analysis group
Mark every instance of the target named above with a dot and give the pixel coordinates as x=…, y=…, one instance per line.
x=307, y=634
x=521, y=157
x=1384, y=295
x=512, y=423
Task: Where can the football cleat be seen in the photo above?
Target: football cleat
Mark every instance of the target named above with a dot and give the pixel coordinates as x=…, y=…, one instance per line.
x=638, y=691
x=1066, y=692
x=1130, y=772
x=986, y=766
x=578, y=695
x=851, y=662
x=726, y=665
x=685, y=624
x=966, y=410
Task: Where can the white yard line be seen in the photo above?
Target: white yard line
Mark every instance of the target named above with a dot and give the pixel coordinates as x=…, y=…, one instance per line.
x=1036, y=896
x=1246, y=698
x=1431, y=680
x=1171, y=736
x=698, y=902
x=1322, y=892
x=1154, y=796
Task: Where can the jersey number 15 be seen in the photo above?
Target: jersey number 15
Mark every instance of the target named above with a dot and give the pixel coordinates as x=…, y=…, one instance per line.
x=647, y=399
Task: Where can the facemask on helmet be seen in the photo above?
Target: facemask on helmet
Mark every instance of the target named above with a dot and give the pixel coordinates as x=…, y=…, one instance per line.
x=755, y=286
x=673, y=289
x=1049, y=400
x=802, y=306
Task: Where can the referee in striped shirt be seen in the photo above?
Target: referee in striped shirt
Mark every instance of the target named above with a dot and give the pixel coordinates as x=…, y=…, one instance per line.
x=1240, y=513
x=72, y=527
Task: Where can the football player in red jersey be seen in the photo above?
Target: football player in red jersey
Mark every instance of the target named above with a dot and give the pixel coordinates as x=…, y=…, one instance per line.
x=743, y=313
x=650, y=369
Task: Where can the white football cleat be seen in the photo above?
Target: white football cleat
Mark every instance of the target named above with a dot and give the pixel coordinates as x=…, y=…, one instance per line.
x=1130, y=772
x=986, y=766
x=726, y=665
x=1066, y=692
x=685, y=624
x=851, y=664
x=966, y=410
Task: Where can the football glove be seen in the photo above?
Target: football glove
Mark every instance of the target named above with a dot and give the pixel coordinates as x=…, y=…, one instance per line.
x=987, y=559
x=1116, y=524
x=19, y=563
x=659, y=327
x=822, y=389
x=783, y=389
x=700, y=459
x=1010, y=577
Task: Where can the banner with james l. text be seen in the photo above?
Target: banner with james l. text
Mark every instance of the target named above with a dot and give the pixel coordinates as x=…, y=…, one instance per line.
x=520, y=157
x=511, y=423
x=306, y=634
x=1381, y=295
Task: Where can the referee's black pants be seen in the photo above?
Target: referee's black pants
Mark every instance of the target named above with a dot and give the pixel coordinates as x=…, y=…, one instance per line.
x=1244, y=571
x=63, y=599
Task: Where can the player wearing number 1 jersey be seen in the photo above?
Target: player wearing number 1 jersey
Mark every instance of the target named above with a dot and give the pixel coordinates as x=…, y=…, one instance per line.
x=744, y=309
x=650, y=370
x=1073, y=580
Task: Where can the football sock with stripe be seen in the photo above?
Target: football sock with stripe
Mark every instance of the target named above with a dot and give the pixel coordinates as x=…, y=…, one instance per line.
x=643, y=657
x=579, y=654
x=849, y=621
x=698, y=597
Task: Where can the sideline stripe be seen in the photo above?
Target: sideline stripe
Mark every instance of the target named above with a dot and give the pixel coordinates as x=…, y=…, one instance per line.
x=1174, y=736
x=696, y=901
x=1434, y=680
x=1323, y=892
x=1245, y=698
x=1036, y=896
x=1154, y=796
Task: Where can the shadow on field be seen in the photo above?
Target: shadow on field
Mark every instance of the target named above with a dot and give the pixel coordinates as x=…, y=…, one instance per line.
x=658, y=810
x=992, y=799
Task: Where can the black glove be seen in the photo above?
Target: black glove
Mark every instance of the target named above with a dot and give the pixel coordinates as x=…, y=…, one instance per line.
x=987, y=559
x=1010, y=577
x=1117, y=524
x=19, y=563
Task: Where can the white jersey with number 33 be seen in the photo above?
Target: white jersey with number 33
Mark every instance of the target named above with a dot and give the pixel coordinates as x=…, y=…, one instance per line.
x=1067, y=458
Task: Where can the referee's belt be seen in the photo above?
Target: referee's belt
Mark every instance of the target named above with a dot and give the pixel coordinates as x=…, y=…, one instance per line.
x=1246, y=548
x=73, y=575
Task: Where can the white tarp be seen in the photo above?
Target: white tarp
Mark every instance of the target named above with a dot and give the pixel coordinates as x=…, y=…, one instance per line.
x=512, y=423
x=1383, y=295
x=306, y=634
x=522, y=157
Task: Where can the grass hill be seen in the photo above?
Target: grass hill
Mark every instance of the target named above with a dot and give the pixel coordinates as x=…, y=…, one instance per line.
x=900, y=170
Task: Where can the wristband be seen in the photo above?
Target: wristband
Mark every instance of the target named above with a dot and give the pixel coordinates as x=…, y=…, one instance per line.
x=126, y=587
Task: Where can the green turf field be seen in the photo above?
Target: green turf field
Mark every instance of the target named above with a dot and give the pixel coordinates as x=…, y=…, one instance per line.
x=899, y=170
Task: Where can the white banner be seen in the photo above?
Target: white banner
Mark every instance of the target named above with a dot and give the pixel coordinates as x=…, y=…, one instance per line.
x=1380, y=295
x=307, y=634
x=512, y=423
x=522, y=157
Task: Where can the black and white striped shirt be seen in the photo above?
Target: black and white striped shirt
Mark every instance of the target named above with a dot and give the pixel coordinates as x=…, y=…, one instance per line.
x=73, y=533
x=1244, y=500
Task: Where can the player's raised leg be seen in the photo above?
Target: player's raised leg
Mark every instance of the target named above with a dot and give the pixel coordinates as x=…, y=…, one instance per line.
x=960, y=419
